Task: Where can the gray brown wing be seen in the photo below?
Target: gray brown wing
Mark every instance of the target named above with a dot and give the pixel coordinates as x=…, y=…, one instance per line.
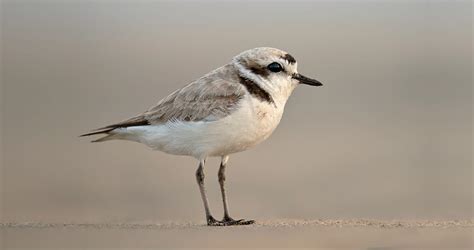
x=203, y=100
x=210, y=98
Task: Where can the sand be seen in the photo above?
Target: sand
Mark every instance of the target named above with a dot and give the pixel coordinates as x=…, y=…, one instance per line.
x=347, y=233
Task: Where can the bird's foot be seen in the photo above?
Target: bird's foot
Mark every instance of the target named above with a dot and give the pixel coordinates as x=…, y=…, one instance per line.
x=213, y=222
x=228, y=221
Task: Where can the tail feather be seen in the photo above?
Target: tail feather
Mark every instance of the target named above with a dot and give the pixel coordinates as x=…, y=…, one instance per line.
x=105, y=138
x=139, y=120
x=106, y=131
x=98, y=132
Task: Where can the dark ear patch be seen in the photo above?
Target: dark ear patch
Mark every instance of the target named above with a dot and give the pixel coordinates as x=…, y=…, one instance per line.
x=255, y=68
x=289, y=58
x=259, y=71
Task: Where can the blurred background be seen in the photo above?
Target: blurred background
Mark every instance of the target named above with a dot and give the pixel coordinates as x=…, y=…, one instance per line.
x=388, y=136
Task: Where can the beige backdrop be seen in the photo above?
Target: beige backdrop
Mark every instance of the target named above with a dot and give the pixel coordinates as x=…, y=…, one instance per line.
x=388, y=136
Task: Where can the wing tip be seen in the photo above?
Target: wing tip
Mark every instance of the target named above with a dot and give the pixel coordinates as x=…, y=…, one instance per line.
x=136, y=121
x=97, y=132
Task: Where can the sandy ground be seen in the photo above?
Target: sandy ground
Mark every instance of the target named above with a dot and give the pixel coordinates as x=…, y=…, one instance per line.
x=324, y=234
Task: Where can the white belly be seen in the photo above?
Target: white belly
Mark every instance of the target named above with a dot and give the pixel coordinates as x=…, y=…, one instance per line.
x=246, y=127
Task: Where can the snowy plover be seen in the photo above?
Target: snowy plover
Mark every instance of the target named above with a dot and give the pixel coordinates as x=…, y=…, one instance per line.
x=228, y=110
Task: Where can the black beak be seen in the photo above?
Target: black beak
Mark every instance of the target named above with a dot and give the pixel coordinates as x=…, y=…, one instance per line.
x=306, y=80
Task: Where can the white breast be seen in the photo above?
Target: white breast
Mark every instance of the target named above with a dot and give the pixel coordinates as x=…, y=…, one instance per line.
x=252, y=123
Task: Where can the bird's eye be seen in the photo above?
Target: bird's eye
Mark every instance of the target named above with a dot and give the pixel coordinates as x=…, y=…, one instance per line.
x=274, y=67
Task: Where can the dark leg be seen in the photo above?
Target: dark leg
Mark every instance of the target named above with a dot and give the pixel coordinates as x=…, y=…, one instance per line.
x=227, y=220
x=200, y=180
x=221, y=176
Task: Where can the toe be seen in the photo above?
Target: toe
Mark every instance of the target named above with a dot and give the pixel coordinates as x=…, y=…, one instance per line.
x=247, y=222
x=213, y=222
x=227, y=219
x=232, y=222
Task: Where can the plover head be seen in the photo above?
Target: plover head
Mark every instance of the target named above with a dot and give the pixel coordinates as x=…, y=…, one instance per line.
x=272, y=69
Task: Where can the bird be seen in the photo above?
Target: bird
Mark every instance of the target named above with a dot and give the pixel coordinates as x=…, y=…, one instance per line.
x=226, y=111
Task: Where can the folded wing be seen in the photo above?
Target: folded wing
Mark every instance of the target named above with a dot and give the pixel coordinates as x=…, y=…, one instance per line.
x=209, y=98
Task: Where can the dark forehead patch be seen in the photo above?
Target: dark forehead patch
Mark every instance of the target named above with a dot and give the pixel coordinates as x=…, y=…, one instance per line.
x=289, y=58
